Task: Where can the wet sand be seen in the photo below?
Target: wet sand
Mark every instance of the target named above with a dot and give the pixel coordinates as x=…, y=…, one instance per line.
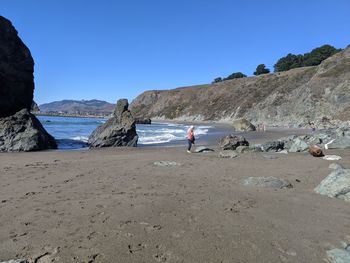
x=115, y=205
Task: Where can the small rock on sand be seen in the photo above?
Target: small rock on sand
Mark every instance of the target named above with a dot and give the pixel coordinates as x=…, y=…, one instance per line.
x=315, y=151
x=203, y=149
x=331, y=158
x=270, y=181
x=166, y=163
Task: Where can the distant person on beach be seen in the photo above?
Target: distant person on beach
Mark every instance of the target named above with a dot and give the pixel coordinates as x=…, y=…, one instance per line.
x=313, y=127
x=190, y=138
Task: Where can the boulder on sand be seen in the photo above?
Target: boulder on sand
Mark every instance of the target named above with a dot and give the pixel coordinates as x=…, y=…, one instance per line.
x=24, y=132
x=315, y=151
x=298, y=145
x=274, y=146
x=336, y=184
x=340, y=143
x=247, y=149
x=231, y=142
x=120, y=130
x=243, y=125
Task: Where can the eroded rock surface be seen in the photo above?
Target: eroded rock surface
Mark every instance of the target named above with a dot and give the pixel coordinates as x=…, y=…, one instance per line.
x=24, y=132
x=120, y=130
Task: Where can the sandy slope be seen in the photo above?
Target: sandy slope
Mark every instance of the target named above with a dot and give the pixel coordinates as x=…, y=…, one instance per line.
x=115, y=205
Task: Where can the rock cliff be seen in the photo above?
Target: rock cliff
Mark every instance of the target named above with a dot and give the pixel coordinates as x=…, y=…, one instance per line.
x=16, y=71
x=294, y=97
x=19, y=129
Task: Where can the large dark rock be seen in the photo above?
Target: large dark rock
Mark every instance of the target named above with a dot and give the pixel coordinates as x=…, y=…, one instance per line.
x=19, y=129
x=24, y=132
x=231, y=142
x=120, y=130
x=16, y=71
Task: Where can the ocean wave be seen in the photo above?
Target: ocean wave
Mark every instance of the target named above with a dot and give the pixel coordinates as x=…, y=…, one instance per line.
x=164, y=138
x=160, y=135
x=80, y=138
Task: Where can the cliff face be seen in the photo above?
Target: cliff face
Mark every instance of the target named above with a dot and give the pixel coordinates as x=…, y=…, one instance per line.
x=16, y=71
x=287, y=98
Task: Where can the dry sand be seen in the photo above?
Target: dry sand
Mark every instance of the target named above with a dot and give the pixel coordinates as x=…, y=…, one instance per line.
x=115, y=205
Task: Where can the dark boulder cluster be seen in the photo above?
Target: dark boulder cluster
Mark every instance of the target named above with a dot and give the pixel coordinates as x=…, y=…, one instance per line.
x=19, y=129
x=120, y=130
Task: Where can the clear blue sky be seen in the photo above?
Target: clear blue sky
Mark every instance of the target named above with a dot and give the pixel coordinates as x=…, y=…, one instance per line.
x=109, y=49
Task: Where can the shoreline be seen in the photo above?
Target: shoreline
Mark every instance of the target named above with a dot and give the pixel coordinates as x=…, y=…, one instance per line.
x=116, y=205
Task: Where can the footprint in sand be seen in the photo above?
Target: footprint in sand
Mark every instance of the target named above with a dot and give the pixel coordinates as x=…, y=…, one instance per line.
x=150, y=229
x=240, y=205
x=136, y=248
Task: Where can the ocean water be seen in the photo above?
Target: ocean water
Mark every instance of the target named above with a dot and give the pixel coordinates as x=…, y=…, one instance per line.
x=73, y=133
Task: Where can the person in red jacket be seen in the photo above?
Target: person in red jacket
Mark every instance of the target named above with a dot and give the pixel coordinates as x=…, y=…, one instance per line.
x=190, y=138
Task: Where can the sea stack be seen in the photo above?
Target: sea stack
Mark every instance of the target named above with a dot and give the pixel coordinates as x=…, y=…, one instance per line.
x=19, y=129
x=118, y=131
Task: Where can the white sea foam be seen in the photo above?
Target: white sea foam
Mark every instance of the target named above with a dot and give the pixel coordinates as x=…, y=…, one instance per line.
x=80, y=138
x=157, y=134
x=157, y=139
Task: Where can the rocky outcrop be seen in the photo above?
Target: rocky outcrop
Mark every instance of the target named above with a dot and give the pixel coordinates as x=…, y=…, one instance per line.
x=19, y=129
x=120, y=130
x=231, y=142
x=243, y=125
x=24, y=132
x=294, y=97
x=16, y=71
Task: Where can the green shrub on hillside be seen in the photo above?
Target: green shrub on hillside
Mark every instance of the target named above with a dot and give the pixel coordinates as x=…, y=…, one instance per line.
x=317, y=55
x=288, y=62
x=219, y=79
x=235, y=75
x=314, y=58
x=261, y=69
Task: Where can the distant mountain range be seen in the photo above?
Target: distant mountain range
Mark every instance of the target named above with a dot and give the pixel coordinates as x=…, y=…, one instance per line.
x=78, y=107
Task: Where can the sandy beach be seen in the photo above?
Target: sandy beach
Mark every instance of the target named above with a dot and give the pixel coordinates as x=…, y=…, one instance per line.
x=116, y=205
